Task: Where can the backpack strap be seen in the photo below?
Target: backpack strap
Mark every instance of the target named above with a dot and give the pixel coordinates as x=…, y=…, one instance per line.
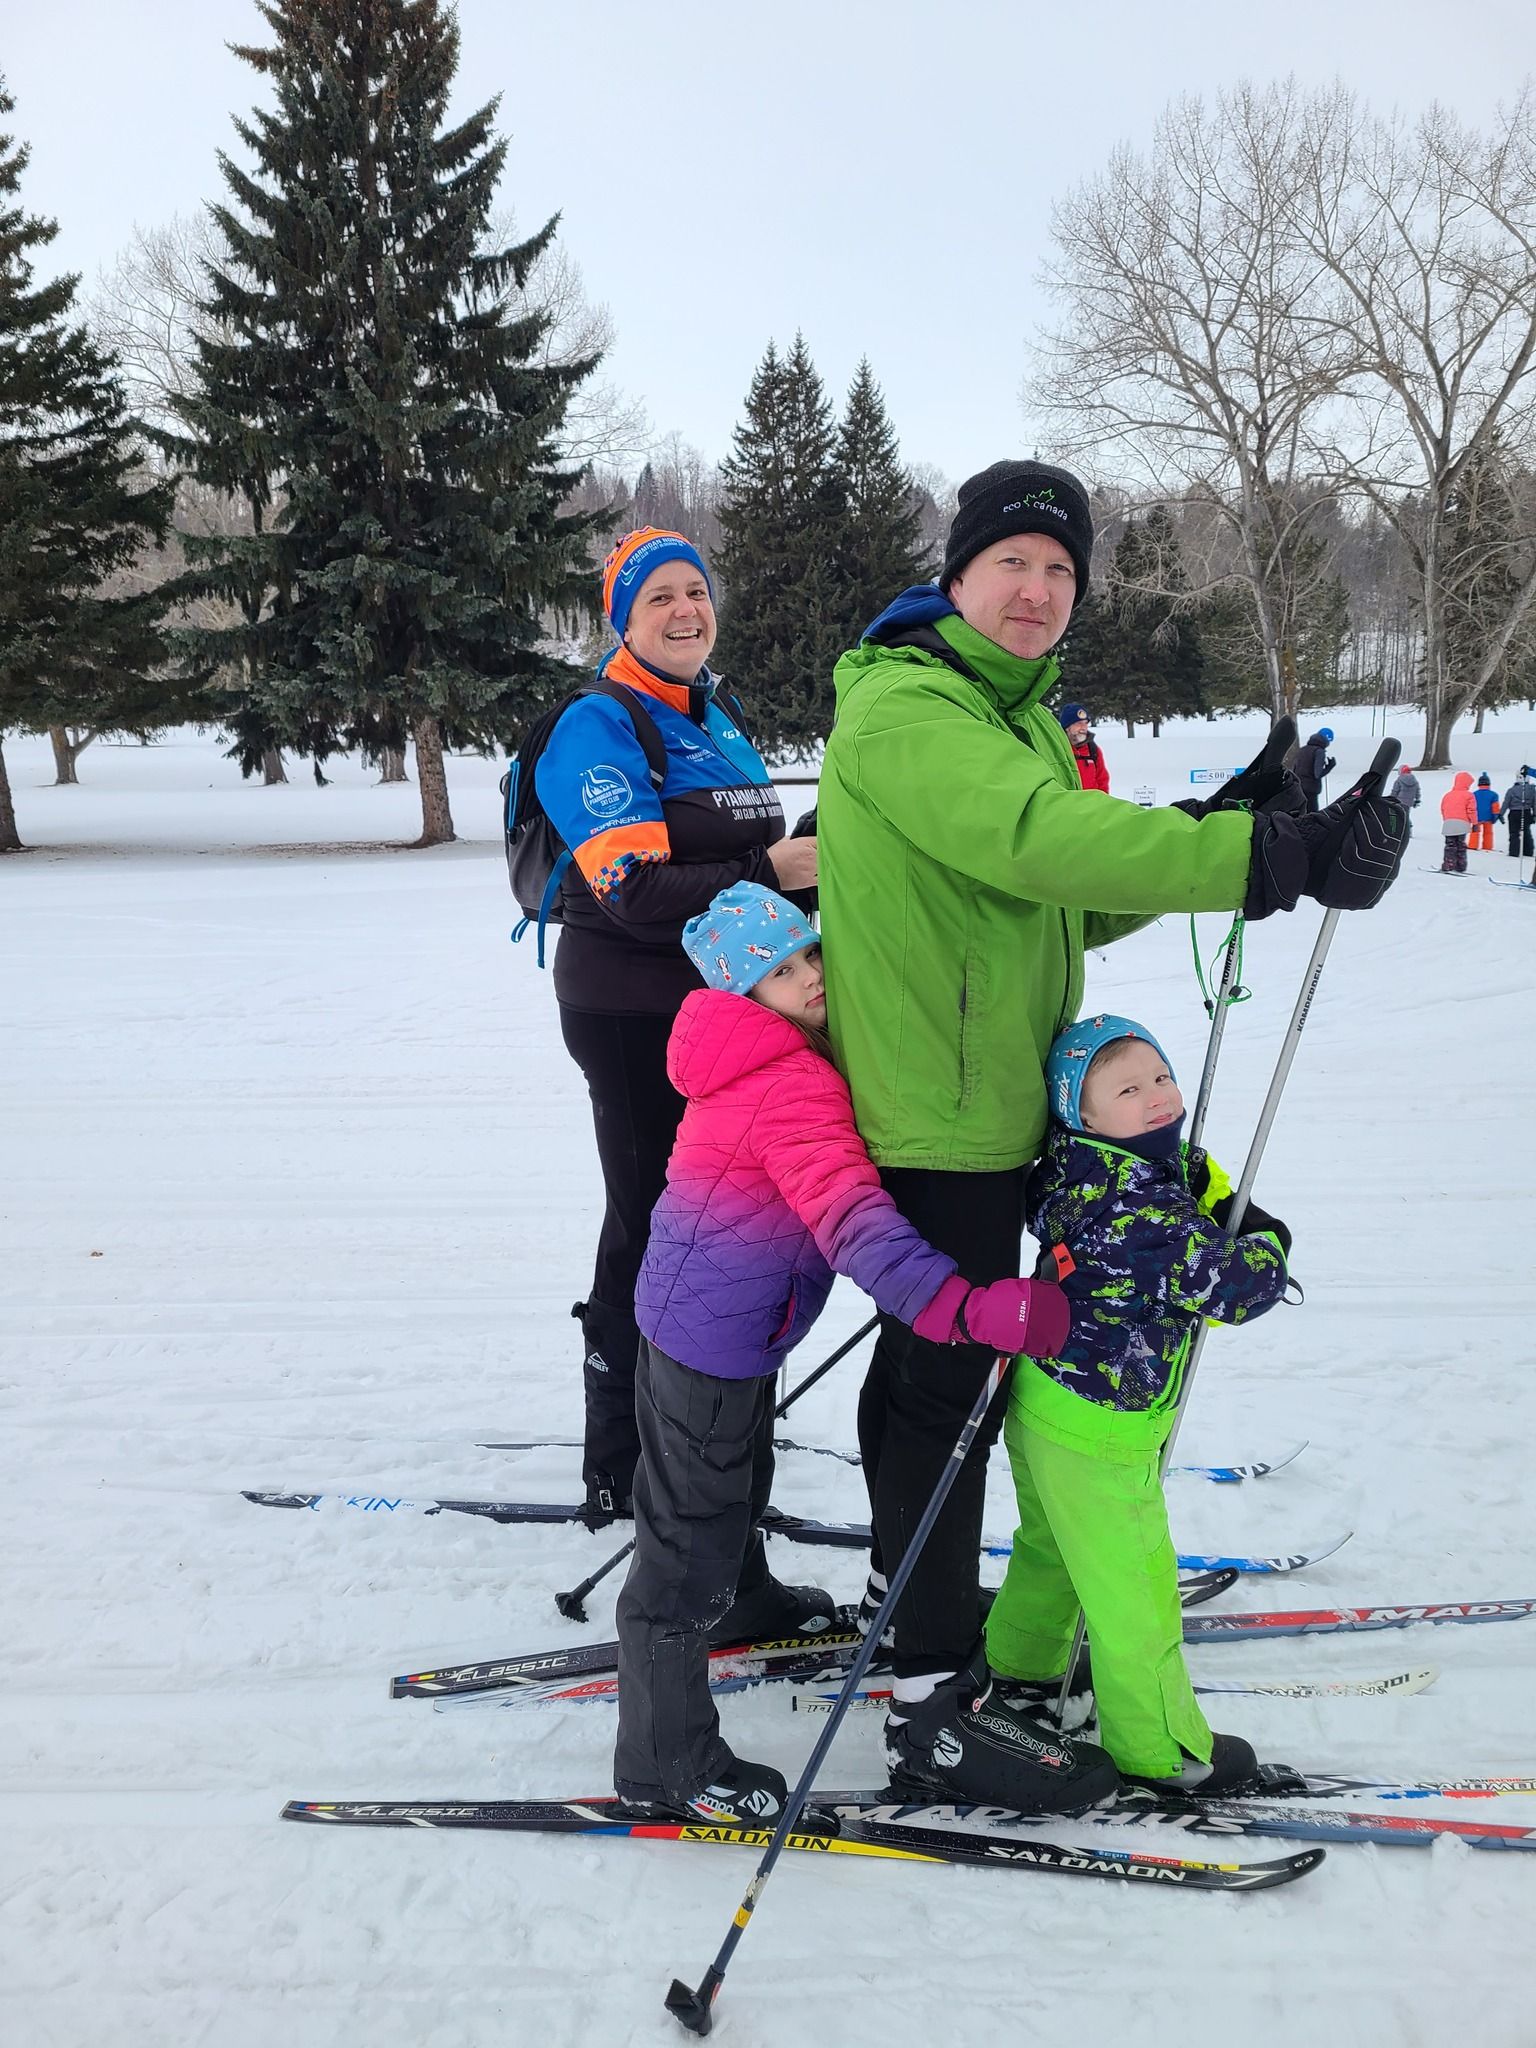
x=647, y=731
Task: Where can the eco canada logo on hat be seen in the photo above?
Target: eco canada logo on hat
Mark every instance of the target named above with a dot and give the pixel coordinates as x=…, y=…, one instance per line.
x=746, y=930
x=1020, y=497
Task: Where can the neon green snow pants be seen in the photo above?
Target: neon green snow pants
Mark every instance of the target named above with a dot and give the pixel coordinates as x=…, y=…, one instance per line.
x=1095, y=1534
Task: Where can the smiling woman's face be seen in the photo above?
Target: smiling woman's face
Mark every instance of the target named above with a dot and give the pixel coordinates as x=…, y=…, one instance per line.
x=672, y=621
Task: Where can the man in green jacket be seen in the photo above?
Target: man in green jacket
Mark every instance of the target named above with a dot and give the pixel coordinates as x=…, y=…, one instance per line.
x=963, y=871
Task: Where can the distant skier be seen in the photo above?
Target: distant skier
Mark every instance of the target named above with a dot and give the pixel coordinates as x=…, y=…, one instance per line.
x=1092, y=771
x=1481, y=840
x=769, y=1192
x=1458, y=814
x=1519, y=805
x=1312, y=763
x=1405, y=790
x=1141, y=1216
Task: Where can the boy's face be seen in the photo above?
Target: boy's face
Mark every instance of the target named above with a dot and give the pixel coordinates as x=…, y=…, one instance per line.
x=794, y=988
x=1129, y=1091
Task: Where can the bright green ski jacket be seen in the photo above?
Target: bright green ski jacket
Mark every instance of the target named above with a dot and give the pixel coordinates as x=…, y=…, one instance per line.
x=962, y=870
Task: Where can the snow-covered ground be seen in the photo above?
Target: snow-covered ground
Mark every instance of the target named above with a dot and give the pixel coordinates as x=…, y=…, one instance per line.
x=296, y=1190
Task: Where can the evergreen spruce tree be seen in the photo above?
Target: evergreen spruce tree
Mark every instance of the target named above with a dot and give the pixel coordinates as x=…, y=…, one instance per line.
x=883, y=548
x=1139, y=657
x=364, y=382
x=1234, y=677
x=783, y=620
x=75, y=507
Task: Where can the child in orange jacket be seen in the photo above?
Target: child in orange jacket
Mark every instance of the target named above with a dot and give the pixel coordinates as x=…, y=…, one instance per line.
x=1458, y=814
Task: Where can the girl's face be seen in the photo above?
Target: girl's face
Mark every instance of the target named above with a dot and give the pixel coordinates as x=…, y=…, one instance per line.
x=794, y=989
x=1129, y=1093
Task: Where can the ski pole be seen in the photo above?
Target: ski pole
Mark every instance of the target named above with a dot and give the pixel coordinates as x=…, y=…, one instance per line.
x=1380, y=769
x=570, y=1604
x=694, y=2008
x=1282, y=737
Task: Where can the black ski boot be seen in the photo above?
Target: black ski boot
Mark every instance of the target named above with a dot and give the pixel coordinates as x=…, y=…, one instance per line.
x=1039, y=1699
x=965, y=1743
x=776, y=1610
x=1234, y=1772
x=740, y=1793
x=871, y=1601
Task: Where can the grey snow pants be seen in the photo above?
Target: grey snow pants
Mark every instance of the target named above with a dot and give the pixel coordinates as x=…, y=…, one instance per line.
x=703, y=1481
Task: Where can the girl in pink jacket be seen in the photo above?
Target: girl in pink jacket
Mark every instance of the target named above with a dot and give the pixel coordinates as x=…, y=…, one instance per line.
x=769, y=1193
x=1458, y=814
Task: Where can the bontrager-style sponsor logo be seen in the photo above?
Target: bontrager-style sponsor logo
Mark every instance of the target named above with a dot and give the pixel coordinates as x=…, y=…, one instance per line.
x=605, y=791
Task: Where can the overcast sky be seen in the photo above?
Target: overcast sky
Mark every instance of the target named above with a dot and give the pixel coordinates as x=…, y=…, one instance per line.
x=876, y=172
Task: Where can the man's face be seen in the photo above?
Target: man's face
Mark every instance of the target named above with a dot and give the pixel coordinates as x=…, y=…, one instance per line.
x=1077, y=731
x=1019, y=593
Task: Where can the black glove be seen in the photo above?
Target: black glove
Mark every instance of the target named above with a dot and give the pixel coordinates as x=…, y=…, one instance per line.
x=1328, y=767
x=1264, y=785
x=1345, y=857
x=808, y=900
x=1254, y=1218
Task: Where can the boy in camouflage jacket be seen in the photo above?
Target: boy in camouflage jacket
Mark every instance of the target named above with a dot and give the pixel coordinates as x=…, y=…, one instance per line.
x=1136, y=1219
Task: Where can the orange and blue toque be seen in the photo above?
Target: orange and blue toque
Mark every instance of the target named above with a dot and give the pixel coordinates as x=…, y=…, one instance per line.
x=633, y=559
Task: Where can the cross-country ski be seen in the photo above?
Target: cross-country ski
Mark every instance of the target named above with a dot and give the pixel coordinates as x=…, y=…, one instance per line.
x=798, y=1528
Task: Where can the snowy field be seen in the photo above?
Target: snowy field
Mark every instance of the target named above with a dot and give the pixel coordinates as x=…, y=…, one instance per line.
x=296, y=1191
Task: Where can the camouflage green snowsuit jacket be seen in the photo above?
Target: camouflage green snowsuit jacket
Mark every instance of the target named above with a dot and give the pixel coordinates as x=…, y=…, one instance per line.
x=1149, y=1258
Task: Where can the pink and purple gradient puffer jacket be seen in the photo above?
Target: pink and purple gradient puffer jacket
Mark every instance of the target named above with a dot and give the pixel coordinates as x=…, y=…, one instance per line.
x=769, y=1193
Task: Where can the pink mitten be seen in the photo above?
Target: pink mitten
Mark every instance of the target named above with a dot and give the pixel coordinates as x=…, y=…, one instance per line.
x=1009, y=1316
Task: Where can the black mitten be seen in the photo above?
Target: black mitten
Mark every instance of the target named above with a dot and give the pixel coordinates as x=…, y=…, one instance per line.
x=1264, y=785
x=1254, y=1218
x=1346, y=857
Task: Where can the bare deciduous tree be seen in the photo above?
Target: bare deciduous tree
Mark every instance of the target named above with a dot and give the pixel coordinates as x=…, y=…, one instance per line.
x=147, y=310
x=1187, y=360
x=1426, y=231
x=602, y=423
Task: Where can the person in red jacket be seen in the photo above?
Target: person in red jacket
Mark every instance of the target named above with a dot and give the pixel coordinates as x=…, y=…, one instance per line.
x=1092, y=772
x=1458, y=814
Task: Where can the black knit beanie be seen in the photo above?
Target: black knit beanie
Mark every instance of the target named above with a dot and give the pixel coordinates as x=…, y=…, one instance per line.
x=1020, y=497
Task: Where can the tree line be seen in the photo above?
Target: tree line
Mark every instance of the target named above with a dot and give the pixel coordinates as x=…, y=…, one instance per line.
x=332, y=467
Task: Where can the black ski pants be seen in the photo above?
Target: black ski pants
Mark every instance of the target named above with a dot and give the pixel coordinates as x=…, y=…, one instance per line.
x=1519, y=839
x=913, y=1406
x=704, y=1478
x=635, y=1115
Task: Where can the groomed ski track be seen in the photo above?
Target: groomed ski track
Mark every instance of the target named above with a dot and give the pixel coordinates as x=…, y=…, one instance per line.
x=282, y=1094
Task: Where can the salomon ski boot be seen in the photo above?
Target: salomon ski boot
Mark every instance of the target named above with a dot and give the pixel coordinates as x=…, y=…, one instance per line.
x=776, y=1610
x=1233, y=1772
x=965, y=1743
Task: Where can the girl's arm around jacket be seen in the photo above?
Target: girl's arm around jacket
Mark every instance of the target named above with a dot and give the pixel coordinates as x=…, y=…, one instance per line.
x=809, y=1146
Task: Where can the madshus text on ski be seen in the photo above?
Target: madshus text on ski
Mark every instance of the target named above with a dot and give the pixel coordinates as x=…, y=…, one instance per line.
x=776, y=1102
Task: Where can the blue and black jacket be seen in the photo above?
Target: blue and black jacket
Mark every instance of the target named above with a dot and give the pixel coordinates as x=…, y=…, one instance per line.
x=1149, y=1258
x=646, y=859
